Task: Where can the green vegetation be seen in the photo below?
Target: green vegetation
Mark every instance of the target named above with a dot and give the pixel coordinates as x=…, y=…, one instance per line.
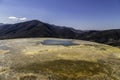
x=31, y=77
x=66, y=69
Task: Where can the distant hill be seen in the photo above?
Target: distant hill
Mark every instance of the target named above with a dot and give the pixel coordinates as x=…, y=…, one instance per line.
x=1, y=24
x=35, y=28
x=111, y=37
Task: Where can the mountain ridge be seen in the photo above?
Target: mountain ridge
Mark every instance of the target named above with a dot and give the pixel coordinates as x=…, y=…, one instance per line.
x=36, y=28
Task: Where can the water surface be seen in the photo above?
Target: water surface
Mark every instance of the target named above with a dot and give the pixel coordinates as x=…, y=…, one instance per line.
x=58, y=42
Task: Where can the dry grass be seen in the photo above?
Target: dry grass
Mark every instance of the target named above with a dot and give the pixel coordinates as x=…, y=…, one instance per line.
x=63, y=62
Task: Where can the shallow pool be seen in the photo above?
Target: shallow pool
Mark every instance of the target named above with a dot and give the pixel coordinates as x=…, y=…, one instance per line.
x=58, y=42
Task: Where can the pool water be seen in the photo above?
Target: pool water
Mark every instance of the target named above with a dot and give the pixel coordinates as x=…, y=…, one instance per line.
x=58, y=42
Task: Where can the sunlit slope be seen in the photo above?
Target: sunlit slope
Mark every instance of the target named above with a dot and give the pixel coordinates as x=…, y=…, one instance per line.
x=29, y=59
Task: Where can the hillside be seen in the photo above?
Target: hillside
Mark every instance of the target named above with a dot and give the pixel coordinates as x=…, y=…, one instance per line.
x=111, y=37
x=35, y=28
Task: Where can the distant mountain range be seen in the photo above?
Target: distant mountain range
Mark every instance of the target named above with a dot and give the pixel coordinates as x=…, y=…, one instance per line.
x=1, y=24
x=35, y=28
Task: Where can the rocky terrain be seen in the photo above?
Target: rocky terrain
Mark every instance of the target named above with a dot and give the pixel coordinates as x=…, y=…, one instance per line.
x=35, y=28
x=58, y=59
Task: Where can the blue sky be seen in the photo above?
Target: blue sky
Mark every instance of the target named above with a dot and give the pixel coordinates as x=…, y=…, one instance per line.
x=79, y=14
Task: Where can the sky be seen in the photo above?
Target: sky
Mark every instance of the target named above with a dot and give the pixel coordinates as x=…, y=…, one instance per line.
x=79, y=14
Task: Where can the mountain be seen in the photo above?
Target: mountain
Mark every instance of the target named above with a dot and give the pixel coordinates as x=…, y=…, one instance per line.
x=111, y=37
x=1, y=24
x=35, y=28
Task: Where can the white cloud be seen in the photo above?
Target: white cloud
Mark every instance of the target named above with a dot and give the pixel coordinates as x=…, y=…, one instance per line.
x=16, y=18
x=13, y=18
x=22, y=19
